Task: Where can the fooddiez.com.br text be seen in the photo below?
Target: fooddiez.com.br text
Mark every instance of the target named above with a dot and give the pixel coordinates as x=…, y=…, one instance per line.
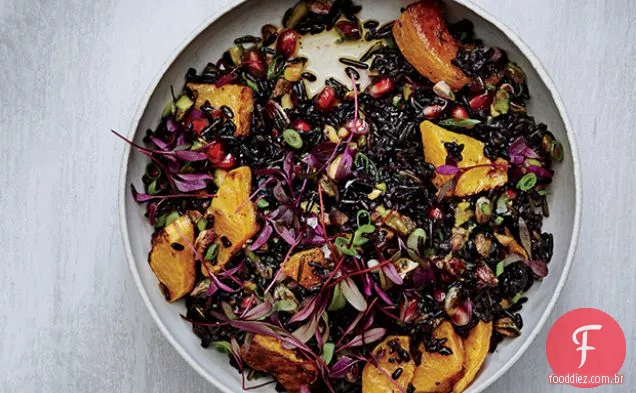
x=616, y=379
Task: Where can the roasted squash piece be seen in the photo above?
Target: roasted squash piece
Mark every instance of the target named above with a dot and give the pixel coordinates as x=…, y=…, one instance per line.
x=299, y=267
x=233, y=227
x=172, y=258
x=438, y=373
x=268, y=355
x=475, y=180
x=236, y=97
x=422, y=35
x=376, y=381
x=476, y=347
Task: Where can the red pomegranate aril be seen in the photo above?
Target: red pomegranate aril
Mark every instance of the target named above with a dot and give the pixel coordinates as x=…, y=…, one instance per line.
x=439, y=295
x=198, y=125
x=480, y=102
x=287, y=43
x=228, y=162
x=432, y=112
x=511, y=194
x=301, y=126
x=215, y=152
x=320, y=7
x=255, y=64
x=459, y=112
x=381, y=87
x=435, y=214
x=326, y=100
x=348, y=30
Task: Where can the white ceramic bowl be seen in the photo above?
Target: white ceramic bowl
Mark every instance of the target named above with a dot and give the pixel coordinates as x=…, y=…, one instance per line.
x=246, y=17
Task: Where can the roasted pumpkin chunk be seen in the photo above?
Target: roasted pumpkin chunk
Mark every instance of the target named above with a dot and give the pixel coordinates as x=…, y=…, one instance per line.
x=422, y=35
x=476, y=347
x=236, y=97
x=232, y=226
x=480, y=173
x=301, y=267
x=268, y=355
x=172, y=258
x=378, y=379
x=438, y=373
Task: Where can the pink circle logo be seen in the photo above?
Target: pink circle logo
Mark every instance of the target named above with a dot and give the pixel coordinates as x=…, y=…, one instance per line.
x=586, y=348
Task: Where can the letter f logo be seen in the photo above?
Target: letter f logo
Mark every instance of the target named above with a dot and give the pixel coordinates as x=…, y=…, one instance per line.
x=583, y=344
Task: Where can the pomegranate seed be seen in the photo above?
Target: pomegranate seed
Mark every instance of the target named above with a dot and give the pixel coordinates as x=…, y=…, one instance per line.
x=511, y=194
x=287, y=43
x=199, y=125
x=459, y=112
x=480, y=102
x=320, y=7
x=228, y=162
x=326, y=100
x=435, y=214
x=216, y=152
x=439, y=295
x=301, y=126
x=433, y=111
x=381, y=88
x=255, y=64
x=348, y=30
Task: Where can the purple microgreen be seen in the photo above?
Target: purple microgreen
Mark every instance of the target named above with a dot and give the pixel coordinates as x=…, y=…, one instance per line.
x=306, y=310
x=189, y=155
x=447, y=170
x=519, y=151
x=385, y=298
x=151, y=211
x=340, y=369
x=263, y=237
x=540, y=171
x=350, y=328
x=159, y=143
x=259, y=312
x=351, y=292
x=282, y=265
x=346, y=163
x=288, y=166
x=189, y=182
x=392, y=274
x=305, y=332
x=251, y=197
x=227, y=310
x=284, y=232
x=281, y=195
x=368, y=337
x=539, y=268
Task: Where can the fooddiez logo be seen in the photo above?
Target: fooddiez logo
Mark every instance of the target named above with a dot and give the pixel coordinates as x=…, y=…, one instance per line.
x=586, y=348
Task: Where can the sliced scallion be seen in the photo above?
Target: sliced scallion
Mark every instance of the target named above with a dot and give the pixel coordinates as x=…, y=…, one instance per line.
x=527, y=182
x=292, y=138
x=210, y=254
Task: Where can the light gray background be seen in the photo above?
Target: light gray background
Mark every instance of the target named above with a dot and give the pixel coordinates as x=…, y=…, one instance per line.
x=71, y=319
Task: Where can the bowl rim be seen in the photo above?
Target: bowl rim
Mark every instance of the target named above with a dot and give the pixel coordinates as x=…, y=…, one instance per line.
x=512, y=36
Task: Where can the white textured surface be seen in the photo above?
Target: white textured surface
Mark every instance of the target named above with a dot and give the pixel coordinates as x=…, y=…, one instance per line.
x=70, y=70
